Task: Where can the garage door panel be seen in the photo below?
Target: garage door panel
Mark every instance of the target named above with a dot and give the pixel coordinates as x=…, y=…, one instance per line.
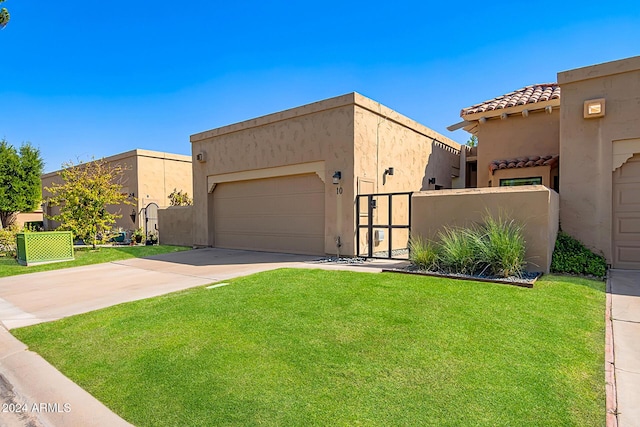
x=626, y=215
x=286, y=224
x=302, y=204
x=629, y=227
x=627, y=197
x=282, y=214
x=627, y=256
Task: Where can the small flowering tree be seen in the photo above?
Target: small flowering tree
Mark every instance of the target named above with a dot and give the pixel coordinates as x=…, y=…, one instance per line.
x=4, y=16
x=179, y=198
x=83, y=197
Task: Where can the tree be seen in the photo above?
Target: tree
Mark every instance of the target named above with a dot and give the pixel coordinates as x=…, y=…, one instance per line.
x=4, y=16
x=179, y=198
x=83, y=197
x=473, y=141
x=20, y=183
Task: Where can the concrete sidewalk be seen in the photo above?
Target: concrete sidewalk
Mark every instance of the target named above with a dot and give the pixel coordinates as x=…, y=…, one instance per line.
x=624, y=289
x=51, y=399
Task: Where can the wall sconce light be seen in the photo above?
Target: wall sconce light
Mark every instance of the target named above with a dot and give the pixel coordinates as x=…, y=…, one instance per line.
x=432, y=180
x=337, y=176
x=594, y=108
x=389, y=171
x=133, y=215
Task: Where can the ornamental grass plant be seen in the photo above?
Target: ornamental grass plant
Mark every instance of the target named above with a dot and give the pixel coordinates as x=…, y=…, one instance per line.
x=424, y=254
x=501, y=246
x=496, y=247
x=459, y=250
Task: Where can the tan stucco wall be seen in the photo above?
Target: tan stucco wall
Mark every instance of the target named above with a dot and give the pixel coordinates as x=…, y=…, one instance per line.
x=586, y=145
x=516, y=136
x=23, y=217
x=175, y=225
x=149, y=175
x=534, y=206
x=349, y=133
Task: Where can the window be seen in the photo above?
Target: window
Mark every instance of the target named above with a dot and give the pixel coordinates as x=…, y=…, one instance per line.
x=511, y=182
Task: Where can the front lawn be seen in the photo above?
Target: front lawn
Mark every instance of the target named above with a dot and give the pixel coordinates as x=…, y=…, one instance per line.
x=85, y=256
x=312, y=347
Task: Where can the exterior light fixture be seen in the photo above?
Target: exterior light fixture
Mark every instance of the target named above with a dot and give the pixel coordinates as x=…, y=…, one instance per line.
x=594, y=108
x=389, y=171
x=133, y=215
x=337, y=176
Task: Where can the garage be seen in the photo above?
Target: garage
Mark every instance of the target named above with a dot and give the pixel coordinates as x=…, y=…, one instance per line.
x=626, y=215
x=279, y=214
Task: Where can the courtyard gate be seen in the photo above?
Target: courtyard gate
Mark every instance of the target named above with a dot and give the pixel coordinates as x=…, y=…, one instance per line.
x=383, y=225
x=150, y=219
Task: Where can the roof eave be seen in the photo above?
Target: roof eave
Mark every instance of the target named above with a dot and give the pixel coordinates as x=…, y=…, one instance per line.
x=517, y=109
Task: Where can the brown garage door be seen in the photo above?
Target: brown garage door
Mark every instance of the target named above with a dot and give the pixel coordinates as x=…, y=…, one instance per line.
x=626, y=214
x=282, y=214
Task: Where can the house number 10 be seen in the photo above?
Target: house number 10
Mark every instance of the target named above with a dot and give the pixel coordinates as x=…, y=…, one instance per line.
x=339, y=190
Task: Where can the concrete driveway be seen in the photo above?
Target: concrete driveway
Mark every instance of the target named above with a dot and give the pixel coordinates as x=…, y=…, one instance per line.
x=46, y=296
x=27, y=379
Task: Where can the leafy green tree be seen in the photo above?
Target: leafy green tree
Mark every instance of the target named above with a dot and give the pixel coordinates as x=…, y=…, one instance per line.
x=473, y=141
x=86, y=191
x=20, y=186
x=4, y=16
x=179, y=198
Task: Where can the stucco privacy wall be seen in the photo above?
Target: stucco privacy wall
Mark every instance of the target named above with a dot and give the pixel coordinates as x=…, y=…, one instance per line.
x=175, y=224
x=586, y=145
x=149, y=176
x=319, y=138
x=534, y=206
x=516, y=136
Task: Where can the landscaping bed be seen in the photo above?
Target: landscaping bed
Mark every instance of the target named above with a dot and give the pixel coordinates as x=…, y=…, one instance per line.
x=525, y=280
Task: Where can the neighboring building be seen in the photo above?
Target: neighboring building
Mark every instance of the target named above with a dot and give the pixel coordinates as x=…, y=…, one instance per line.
x=28, y=217
x=580, y=137
x=288, y=182
x=600, y=158
x=149, y=177
x=518, y=138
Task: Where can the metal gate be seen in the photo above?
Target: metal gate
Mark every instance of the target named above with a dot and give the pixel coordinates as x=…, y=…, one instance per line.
x=383, y=225
x=150, y=219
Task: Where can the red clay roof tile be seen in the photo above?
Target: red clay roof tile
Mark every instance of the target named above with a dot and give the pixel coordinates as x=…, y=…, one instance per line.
x=527, y=95
x=524, y=162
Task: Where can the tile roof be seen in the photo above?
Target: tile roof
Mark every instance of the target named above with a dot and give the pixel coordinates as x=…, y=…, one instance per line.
x=524, y=162
x=527, y=95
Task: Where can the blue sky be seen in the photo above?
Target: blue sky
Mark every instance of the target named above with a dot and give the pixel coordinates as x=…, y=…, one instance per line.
x=82, y=79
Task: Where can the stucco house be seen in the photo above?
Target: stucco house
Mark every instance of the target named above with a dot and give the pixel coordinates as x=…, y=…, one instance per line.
x=520, y=134
x=149, y=177
x=289, y=181
x=581, y=137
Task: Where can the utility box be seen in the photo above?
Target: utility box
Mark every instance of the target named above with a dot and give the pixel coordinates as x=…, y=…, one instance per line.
x=44, y=247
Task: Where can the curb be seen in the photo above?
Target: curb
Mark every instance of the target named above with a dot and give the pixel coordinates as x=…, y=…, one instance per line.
x=609, y=364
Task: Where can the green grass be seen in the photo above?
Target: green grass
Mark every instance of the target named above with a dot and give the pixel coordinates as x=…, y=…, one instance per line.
x=316, y=348
x=10, y=267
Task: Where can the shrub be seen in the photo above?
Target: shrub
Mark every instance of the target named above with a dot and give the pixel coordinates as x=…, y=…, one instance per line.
x=501, y=246
x=459, y=250
x=572, y=257
x=8, y=240
x=423, y=254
